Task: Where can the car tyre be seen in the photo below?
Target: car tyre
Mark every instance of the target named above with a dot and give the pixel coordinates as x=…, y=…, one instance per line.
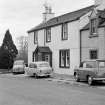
x=90, y=80
x=76, y=76
x=35, y=75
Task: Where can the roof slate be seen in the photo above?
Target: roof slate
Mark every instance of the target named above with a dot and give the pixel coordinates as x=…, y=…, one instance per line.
x=63, y=18
x=43, y=49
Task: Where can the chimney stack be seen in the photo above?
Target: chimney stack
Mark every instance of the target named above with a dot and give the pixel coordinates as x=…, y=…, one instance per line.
x=48, y=13
x=100, y=4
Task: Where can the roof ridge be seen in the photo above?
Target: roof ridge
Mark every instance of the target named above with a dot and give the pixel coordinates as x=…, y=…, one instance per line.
x=70, y=16
x=72, y=12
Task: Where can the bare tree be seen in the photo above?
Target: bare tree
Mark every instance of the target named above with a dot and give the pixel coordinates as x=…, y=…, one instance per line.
x=22, y=43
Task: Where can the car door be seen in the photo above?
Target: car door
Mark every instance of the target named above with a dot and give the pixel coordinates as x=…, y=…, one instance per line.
x=101, y=69
x=83, y=71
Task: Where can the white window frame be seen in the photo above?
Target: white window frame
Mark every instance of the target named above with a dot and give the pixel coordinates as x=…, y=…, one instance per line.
x=93, y=26
x=48, y=34
x=36, y=37
x=90, y=52
x=64, y=61
x=65, y=31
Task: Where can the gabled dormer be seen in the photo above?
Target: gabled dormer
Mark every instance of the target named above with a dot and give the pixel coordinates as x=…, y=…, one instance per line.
x=93, y=21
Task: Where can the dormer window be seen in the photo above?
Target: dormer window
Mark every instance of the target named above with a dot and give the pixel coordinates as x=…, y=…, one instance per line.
x=93, y=26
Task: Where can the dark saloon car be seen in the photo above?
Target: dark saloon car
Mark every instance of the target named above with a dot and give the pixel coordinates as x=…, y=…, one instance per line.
x=90, y=70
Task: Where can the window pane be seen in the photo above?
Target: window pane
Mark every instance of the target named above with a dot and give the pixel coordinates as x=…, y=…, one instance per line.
x=48, y=34
x=67, y=59
x=93, y=25
x=65, y=31
x=35, y=37
x=93, y=54
x=62, y=58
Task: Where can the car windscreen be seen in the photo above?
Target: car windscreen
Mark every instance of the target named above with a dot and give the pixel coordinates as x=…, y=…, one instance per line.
x=43, y=65
x=90, y=64
x=101, y=64
x=19, y=63
x=32, y=66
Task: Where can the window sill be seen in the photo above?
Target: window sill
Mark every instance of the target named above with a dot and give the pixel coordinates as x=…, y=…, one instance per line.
x=64, y=67
x=93, y=35
x=48, y=41
x=35, y=43
x=64, y=39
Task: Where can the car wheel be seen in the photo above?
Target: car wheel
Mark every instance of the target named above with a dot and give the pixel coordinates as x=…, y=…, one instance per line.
x=49, y=76
x=90, y=80
x=77, y=79
x=35, y=75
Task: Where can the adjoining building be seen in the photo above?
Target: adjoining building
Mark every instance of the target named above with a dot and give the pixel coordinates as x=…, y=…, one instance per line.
x=57, y=39
x=93, y=37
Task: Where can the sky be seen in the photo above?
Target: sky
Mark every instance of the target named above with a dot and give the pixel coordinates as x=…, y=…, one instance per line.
x=21, y=15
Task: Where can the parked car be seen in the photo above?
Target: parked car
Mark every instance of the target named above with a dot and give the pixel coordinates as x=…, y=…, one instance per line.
x=19, y=66
x=90, y=70
x=39, y=68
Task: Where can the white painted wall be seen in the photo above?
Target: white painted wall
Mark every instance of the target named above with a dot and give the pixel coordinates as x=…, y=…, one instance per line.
x=93, y=43
x=41, y=37
x=56, y=44
x=31, y=46
x=72, y=43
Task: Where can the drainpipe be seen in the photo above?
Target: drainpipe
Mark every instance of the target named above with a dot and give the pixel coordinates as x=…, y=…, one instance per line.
x=45, y=34
x=80, y=47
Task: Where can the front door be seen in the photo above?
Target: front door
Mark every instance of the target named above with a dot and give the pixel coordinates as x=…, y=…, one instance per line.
x=47, y=58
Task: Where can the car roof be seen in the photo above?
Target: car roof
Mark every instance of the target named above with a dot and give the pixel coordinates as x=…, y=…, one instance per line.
x=94, y=60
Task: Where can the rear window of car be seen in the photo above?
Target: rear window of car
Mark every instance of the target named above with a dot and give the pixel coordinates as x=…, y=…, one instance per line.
x=18, y=63
x=43, y=65
x=102, y=64
x=90, y=64
x=33, y=66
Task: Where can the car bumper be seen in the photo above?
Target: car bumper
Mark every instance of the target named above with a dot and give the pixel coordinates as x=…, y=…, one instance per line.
x=44, y=74
x=18, y=70
x=98, y=79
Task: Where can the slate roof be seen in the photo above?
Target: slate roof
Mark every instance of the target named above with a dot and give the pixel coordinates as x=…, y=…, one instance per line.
x=68, y=17
x=43, y=49
x=101, y=18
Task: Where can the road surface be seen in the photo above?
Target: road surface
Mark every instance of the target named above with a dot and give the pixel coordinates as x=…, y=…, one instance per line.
x=15, y=90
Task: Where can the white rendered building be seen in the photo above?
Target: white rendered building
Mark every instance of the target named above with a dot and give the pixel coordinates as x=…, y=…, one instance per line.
x=57, y=39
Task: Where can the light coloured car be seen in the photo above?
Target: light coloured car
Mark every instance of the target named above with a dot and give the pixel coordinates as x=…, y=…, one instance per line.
x=19, y=66
x=39, y=68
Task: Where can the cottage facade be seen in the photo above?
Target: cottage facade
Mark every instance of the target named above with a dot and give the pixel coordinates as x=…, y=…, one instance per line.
x=57, y=40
